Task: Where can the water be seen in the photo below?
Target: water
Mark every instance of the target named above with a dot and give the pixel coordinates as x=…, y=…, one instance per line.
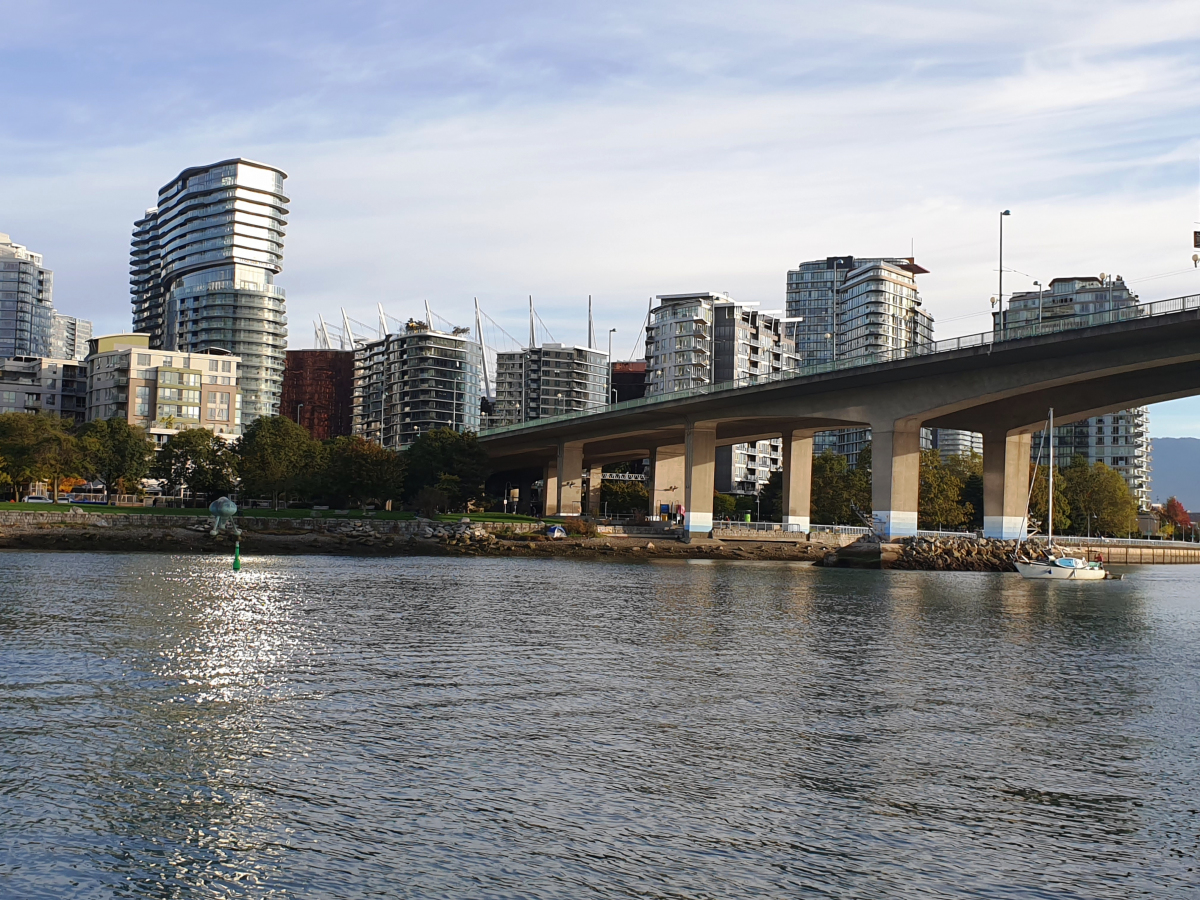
x=336, y=728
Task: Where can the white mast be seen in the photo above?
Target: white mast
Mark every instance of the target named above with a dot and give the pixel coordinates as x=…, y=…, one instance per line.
x=317, y=337
x=428, y=316
x=1050, y=502
x=487, y=384
x=532, y=336
x=383, y=329
x=591, y=326
x=347, y=332
x=326, y=342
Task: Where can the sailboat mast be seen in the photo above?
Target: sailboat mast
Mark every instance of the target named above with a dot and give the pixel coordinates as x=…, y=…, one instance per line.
x=1050, y=502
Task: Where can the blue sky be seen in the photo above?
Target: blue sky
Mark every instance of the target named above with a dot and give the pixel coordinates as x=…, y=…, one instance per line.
x=446, y=151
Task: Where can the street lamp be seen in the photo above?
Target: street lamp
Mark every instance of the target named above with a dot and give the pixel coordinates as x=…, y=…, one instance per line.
x=1038, y=284
x=1000, y=293
x=299, y=406
x=611, y=389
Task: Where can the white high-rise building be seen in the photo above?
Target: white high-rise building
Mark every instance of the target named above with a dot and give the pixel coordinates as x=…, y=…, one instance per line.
x=852, y=308
x=26, y=301
x=705, y=338
x=1120, y=440
x=202, y=272
x=550, y=380
x=69, y=337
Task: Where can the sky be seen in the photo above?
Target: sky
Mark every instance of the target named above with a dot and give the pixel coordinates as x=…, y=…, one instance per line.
x=447, y=151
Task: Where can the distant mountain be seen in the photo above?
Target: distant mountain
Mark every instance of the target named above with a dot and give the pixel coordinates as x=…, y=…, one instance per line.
x=1175, y=471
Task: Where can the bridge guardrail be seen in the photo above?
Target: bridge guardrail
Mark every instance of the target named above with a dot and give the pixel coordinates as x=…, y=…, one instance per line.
x=1050, y=326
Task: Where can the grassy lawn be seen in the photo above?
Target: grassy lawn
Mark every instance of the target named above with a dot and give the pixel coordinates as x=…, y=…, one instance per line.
x=261, y=513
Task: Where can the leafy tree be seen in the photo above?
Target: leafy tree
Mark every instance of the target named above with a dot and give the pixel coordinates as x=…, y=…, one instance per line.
x=1101, y=501
x=276, y=455
x=38, y=447
x=838, y=489
x=940, y=505
x=116, y=454
x=770, y=496
x=1173, y=518
x=441, y=452
x=624, y=497
x=723, y=505
x=1038, y=501
x=198, y=459
x=429, y=500
x=357, y=471
x=969, y=470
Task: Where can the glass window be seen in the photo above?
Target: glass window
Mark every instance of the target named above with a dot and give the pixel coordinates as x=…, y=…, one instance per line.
x=143, y=359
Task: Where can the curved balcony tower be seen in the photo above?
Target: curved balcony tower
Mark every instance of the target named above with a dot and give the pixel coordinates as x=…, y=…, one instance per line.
x=202, y=272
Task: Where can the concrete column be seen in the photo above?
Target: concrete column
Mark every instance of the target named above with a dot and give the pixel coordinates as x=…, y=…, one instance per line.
x=797, y=480
x=1005, y=484
x=665, y=484
x=570, y=478
x=595, y=480
x=550, y=489
x=700, y=452
x=895, y=478
x=525, y=493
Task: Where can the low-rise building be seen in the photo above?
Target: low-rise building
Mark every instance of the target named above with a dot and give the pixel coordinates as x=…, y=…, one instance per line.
x=163, y=391
x=627, y=380
x=318, y=391
x=33, y=384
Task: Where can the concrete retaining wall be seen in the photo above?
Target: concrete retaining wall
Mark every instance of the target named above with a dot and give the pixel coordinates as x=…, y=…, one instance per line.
x=1168, y=552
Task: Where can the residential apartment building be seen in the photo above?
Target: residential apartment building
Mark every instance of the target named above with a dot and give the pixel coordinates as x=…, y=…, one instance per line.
x=550, y=380
x=69, y=337
x=844, y=308
x=1120, y=440
x=318, y=391
x=705, y=338
x=37, y=384
x=26, y=301
x=953, y=442
x=162, y=391
x=203, y=264
x=410, y=383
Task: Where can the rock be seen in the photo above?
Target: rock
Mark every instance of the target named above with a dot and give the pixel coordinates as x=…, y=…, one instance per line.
x=650, y=546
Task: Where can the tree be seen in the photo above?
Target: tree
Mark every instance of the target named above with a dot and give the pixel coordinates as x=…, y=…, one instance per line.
x=1101, y=502
x=276, y=455
x=357, y=471
x=1038, y=502
x=1173, y=518
x=940, y=504
x=624, y=497
x=723, y=505
x=116, y=454
x=38, y=447
x=838, y=490
x=441, y=452
x=197, y=459
x=969, y=470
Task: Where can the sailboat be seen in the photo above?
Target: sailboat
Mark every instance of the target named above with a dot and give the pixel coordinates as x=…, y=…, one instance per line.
x=1053, y=564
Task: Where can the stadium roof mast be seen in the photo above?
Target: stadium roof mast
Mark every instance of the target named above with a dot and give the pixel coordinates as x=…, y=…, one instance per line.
x=487, y=382
x=591, y=326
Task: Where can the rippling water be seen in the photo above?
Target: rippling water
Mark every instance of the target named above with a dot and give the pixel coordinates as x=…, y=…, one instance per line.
x=326, y=727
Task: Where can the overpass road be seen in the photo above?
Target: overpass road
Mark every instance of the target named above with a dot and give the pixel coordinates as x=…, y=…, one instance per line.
x=1083, y=366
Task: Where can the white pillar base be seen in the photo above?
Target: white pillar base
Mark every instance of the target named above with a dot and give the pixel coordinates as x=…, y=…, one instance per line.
x=890, y=523
x=697, y=522
x=796, y=523
x=1006, y=528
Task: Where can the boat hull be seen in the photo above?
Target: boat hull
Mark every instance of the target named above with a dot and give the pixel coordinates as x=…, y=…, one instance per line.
x=1051, y=572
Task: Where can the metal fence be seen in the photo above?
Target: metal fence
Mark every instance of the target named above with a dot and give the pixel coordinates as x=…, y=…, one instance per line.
x=1051, y=326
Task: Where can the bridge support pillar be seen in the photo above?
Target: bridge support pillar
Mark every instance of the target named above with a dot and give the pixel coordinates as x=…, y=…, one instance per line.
x=664, y=483
x=895, y=477
x=570, y=479
x=797, y=480
x=595, y=480
x=700, y=452
x=550, y=489
x=1005, y=484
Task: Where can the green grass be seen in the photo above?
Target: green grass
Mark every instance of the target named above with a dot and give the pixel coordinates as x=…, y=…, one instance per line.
x=258, y=513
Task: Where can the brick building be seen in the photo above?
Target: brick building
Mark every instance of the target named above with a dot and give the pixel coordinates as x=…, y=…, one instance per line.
x=318, y=391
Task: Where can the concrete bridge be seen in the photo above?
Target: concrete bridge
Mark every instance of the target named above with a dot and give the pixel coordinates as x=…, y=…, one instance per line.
x=1001, y=387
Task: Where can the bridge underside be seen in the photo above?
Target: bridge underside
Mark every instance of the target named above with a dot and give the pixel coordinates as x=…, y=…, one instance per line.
x=1003, y=391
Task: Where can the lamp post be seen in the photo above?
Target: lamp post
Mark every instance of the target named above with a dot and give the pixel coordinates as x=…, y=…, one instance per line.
x=299, y=406
x=1000, y=293
x=1039, y=287
x=611, y=390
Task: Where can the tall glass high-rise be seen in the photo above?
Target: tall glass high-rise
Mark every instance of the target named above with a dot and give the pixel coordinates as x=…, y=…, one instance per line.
x=202, y=272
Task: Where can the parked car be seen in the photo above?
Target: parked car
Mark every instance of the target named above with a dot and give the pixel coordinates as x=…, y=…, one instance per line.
x=37, y=498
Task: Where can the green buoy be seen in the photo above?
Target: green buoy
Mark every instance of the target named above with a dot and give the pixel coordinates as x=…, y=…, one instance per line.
x=237, y=556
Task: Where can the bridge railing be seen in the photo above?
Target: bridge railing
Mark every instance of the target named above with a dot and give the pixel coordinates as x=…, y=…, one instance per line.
x=1048, y=326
